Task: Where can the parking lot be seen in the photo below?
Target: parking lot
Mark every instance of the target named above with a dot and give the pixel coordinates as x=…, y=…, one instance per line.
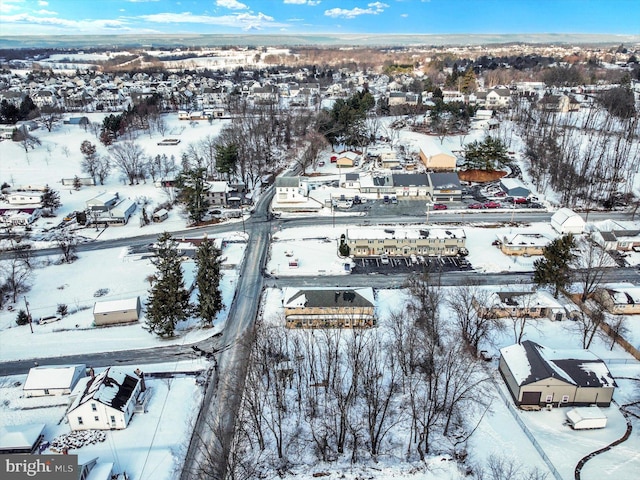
x=406, y=265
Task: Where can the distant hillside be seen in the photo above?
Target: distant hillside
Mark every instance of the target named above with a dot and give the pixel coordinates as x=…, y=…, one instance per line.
x=113, y=41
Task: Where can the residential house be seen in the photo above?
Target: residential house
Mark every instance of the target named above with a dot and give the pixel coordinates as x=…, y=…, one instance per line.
x=498, y=98
x=350, y=180
x=103, y=202
x=217, y=193
x=53, y=380
x=619, y=299
x=347, y=159
x=112, y=312
x=329, y=308
x=25, y=198
x=119, y=214
x=519, y=304
x=537, y=376
x=525, y=244
x=405, y=241
x=20, y=439
x=434, y=157
x=445, y=187
x=559, y=103
x=617, y=235
x=106, y=401
x=566, y=221
x=389, y=160
x=289, y=190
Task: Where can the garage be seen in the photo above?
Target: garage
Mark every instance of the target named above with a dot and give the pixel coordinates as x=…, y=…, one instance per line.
x=530, y=398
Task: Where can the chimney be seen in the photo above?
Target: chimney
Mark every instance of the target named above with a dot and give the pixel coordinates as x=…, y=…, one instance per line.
x=140, y=375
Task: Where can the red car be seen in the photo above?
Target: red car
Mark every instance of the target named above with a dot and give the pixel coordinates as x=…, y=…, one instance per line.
x=519, y=200
x=491, y=205
x=439, y=206
x=476, y=206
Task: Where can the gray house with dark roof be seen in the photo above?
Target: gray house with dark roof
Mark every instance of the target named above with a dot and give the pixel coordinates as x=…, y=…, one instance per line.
x=411, y=185
x=329, y=308
x=537, y=376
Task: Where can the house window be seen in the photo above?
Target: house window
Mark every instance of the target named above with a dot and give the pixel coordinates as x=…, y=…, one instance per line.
x=80, y=422
x=549, y=398
x=46, y=391
x=96, y=418
x=565, y=398
x=94, y=408
x=113, y=420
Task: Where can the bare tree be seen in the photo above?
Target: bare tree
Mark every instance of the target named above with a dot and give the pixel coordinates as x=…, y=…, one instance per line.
x=67, y=243
x=591, y=265
x=587, y=323
x=617, y=329
x=129, y=158
x=17, y=274
x=473, y=316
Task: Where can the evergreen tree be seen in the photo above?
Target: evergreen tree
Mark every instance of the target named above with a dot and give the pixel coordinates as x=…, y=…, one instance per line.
x=208, y=259
x=554, y=268
x=227, y=159
x=193, y=189
x=168, y=298
x=489, y=154
x=50, y=199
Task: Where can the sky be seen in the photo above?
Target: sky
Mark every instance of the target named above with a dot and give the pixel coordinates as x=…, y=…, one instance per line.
x=278, y=17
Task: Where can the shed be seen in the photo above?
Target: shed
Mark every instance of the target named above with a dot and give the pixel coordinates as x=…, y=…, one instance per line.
x=53, y=379
x=566, y=220
x=514, y=187
x=21, y=438
x=160, y=216
x=117, y=311
x=582, y=418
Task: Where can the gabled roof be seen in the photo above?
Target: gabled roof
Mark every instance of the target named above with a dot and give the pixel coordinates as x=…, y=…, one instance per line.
x=53, y=376
x=448, y=180
x=287, y=182
x=410, y=180
x=111, y=387
x=326, y=298
x=530, y=362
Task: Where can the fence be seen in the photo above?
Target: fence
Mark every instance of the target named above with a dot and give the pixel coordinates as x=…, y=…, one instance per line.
x=512, y=409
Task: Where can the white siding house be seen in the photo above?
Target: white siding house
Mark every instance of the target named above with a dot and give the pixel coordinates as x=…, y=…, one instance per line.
x=104, y=402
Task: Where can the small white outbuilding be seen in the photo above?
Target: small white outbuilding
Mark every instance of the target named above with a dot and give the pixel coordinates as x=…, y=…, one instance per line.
x=566, y=221
x=583, y=418
x=53, y=379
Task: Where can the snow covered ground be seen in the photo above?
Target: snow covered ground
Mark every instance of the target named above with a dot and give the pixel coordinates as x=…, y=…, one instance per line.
x=154, y=444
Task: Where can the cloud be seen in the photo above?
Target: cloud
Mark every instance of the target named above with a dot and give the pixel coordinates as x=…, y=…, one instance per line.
x=42, y=3
x=231, y=4
x=373, y=9
x=76, y=25
x=246, y=21
x=46, y=12
x=7, y=6
x=311, y=3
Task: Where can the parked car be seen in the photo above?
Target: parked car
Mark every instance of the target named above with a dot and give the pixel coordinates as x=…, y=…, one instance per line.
x=491, y=204
x=384, y=259
x=476, y=206
x=520, y=200
x=50, y=319
x=321, y=163
x=439, y=206
x=394, y=200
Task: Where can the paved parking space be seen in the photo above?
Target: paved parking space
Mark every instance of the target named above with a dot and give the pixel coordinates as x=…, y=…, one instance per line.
x=366, y=265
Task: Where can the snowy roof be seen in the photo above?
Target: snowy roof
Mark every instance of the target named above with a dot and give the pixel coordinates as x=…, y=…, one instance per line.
x=20, y=436
x=510, y=183
x=53, y=376
x=566, y=216
x=580, y=413
x=526, y=299
x=623, y=294
x=430, y=148
x=530, y=362
x=218, y=187
x=111, y=387
x=373, y=233
x=328, y=297
x=527, y=239
x=109, y=306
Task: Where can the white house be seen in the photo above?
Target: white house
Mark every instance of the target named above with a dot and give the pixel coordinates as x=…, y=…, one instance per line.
x=25, y=198
x=104, y=402
x=566, y=221
x=53, y=380
x=289, y=189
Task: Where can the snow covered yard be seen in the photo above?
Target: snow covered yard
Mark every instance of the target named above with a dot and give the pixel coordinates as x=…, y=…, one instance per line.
x=154, y=443
x=75, y=284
